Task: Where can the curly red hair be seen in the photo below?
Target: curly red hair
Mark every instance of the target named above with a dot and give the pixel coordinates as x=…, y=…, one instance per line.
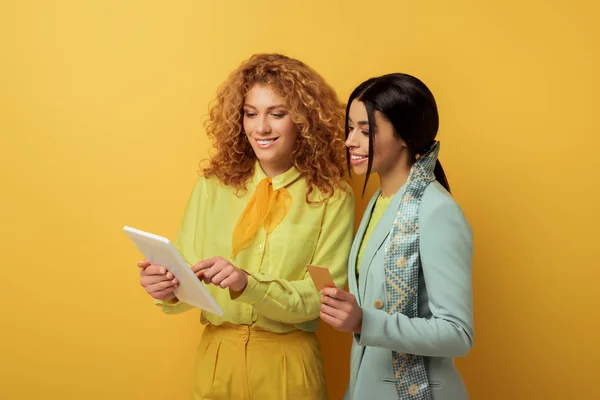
x=313, y=106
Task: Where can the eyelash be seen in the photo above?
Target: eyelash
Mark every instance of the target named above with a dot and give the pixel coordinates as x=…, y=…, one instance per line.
x=278, y=116
x=351, y=128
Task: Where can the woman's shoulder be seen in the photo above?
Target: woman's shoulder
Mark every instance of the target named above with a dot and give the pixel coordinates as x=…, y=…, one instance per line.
x=437, y=202
x=443, y=224
x=436, y=194
x=211, y=186
x=341, y=193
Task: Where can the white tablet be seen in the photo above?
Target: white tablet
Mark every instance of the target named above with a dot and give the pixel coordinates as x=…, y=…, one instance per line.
x=159, y=250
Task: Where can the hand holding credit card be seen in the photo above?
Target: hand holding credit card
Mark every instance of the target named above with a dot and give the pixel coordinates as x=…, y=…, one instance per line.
x=320, y=276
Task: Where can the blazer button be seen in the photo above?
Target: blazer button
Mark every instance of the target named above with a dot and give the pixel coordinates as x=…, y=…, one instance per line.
x=378, y=304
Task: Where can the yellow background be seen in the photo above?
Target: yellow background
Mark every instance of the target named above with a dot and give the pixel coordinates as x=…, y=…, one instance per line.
x=101, y=105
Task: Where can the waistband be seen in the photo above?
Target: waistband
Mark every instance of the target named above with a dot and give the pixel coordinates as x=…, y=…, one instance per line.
x=245, y=332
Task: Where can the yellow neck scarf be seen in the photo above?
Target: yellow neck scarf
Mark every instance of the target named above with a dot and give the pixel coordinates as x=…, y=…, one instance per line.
x=267, y=208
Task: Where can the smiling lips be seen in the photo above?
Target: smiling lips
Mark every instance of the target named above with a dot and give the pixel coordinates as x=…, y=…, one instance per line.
x=265, y=143
x=358, y=158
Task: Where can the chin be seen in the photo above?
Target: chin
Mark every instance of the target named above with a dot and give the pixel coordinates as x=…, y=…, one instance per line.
x=267, y=158
x=360, y=171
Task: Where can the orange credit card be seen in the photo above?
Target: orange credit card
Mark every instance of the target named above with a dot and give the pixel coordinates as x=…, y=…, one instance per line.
x=320, y=276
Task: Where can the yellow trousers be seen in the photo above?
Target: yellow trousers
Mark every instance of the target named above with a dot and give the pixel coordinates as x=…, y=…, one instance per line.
x=235, y=362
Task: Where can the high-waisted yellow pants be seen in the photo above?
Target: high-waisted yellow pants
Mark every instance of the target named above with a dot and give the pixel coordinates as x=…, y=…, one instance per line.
x=236, y=362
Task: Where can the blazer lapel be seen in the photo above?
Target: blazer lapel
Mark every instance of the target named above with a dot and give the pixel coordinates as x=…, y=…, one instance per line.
x=381, y=232
x=353, y=284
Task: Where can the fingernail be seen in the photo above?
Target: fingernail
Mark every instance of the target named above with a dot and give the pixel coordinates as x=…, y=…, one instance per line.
x=169, y=275
x=162, y=270
x=175, y=281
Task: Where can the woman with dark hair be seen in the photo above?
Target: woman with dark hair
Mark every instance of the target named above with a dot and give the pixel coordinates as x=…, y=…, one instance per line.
x=410, y=300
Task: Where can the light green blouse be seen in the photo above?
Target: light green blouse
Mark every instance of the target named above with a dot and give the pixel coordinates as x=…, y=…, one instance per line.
x=380, y=206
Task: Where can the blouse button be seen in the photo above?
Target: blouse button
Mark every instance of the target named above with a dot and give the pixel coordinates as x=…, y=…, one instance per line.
x=378, y=304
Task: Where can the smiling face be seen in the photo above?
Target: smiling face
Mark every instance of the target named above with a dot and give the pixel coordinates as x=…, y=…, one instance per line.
x=270, y=129
x=387, y=149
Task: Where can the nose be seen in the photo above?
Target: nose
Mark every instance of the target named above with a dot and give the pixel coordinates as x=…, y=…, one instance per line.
x=351, y=139
x=263, y=127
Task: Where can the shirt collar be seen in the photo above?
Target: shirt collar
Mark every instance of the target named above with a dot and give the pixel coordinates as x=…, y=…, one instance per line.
x=279, y=181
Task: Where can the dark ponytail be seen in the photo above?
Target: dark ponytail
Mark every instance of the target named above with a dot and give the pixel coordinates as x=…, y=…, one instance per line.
x=440, y=176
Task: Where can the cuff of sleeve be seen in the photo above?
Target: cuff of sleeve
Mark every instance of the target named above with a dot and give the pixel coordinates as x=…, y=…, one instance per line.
x=253, y=293
x=372, y=322
x=169, y=303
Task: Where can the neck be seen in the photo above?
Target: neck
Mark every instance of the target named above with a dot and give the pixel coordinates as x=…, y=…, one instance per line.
x=392, y=179
x=273, y=170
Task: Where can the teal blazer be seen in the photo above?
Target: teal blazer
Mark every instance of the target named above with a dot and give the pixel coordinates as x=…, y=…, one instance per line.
x=444, y=328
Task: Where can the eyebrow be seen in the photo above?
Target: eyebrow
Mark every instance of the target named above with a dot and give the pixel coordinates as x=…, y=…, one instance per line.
x=359, y=122
x=268, y=109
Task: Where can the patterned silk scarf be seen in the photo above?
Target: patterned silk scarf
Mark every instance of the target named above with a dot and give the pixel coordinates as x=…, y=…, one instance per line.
x=402, y=262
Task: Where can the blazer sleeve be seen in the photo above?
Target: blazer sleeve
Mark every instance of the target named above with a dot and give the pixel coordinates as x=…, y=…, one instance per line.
x=446, y=250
